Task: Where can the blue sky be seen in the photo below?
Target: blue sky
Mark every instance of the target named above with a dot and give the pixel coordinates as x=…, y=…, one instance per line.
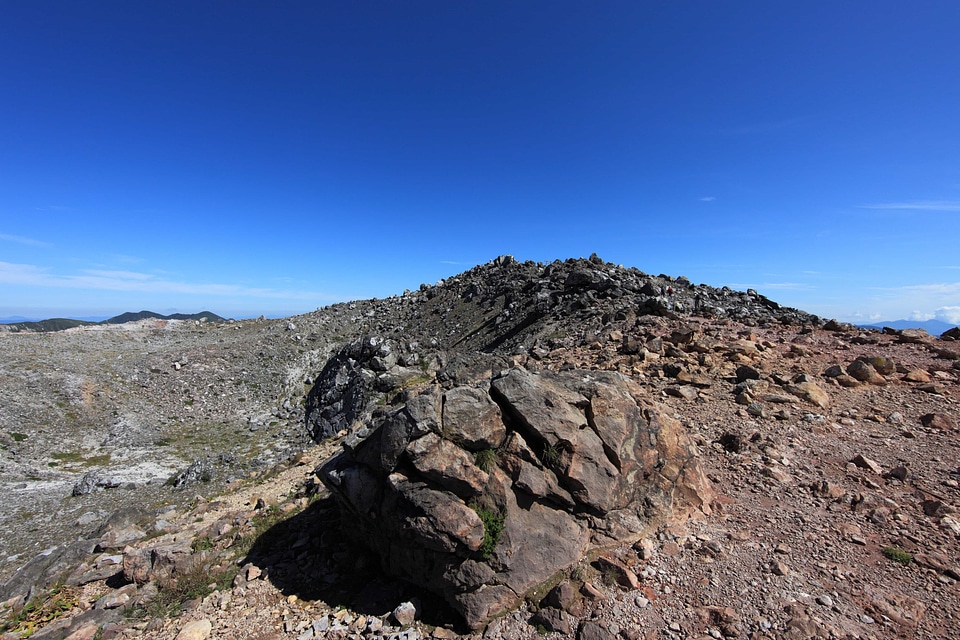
x=253, y=157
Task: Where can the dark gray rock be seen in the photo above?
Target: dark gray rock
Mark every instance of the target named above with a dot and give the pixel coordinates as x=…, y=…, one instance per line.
x=581, y=460
x=94, y=481
x=199, y=471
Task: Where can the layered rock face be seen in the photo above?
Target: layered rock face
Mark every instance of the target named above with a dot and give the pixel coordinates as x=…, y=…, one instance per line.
x=482, y=488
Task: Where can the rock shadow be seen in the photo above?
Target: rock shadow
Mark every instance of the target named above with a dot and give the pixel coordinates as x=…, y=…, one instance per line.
x=308, y=556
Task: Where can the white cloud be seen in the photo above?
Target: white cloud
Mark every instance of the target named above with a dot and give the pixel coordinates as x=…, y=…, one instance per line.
x=30, y=242
x=34, y=276
x=919, y=205
x=707, y=199
x=921, y=316
x=948, y=314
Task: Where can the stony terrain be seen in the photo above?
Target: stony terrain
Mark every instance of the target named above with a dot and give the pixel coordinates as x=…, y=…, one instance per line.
x=833, y=454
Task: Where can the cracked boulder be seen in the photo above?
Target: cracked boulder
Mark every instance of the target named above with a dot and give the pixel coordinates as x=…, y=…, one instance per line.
x=482, y=492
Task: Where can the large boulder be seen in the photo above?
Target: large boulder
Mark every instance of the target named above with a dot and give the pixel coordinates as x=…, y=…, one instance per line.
x=481, y=492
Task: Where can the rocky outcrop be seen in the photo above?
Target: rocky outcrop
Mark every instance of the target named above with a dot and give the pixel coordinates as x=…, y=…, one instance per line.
x=481, y=492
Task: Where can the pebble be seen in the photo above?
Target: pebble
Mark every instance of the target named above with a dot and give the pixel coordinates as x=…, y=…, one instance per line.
x=825, y=600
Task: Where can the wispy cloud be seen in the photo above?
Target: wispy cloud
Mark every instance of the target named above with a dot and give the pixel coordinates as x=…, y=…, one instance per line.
x=780, y=286
x=934, y=289
x=120, y=275
x=30, y=242
x=453, y=262
x=707, y=199
x=34, y=276
x=918, y=205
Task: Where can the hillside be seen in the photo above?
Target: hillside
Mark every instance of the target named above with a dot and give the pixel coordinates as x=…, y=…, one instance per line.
x=830, y=452
x=60, y=324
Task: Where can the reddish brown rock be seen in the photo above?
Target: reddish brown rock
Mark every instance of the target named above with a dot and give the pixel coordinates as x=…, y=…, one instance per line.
x=917, y=375
x=938, y=421
x=864, y=372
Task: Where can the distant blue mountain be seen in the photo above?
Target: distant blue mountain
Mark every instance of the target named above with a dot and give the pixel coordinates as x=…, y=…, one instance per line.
x=16, y=319
x=933, y=327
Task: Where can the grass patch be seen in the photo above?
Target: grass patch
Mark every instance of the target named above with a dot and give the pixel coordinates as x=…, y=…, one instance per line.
x=415, y=381
x=898, y=555
x=17, y=437
x=40, y=610
x=80, y=458
x=551, y=455
x=260, y=524
x=486, y=459
x=193, y=584
x=201, y=543
x=493, y=522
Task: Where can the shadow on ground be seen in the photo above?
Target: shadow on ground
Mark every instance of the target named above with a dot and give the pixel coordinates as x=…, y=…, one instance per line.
x=307, y=556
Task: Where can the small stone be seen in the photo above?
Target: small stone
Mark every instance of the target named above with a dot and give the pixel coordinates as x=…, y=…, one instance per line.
x=622, y=575
x=405, y=614
x=824, y=600
x=777, y=474
x=641, y=602
x=117, y=598
x=865, y=619
x=938, y=421
x=899, y=473
x=196, y=630
x=645, y=548
x=86, y=632
x=865, y=372
x=686, y=392
x=756, y=409
x=593, y=630
x=868, y=464
x=554, y=620
x=592, y=592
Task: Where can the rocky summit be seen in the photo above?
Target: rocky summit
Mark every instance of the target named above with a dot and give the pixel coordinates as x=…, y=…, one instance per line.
x=575, y=449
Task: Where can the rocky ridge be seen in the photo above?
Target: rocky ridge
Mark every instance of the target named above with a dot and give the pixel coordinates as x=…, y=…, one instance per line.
x=837, y=496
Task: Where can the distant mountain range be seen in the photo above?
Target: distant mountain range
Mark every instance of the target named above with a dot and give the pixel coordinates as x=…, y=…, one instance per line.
x=17, y=323
x=933, y=327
